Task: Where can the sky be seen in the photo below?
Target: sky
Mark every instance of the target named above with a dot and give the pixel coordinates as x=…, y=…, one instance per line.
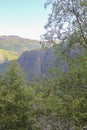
x=25, y=18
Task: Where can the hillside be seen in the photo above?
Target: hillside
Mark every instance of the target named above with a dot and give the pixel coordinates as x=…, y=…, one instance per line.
x=36, y=63
x=11, y=47
x=40, y=63
x=18, y=44
x=7, y=55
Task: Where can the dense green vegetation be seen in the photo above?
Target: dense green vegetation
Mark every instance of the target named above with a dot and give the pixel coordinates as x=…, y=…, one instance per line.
x=59, y=103
x=67, y=17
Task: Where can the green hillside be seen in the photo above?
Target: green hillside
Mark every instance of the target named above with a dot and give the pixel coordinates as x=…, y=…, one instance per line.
x=7, y=55
x=18, y=44
x=11, y=47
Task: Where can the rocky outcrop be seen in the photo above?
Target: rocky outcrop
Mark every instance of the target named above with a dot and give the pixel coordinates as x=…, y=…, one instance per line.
x=36, y=63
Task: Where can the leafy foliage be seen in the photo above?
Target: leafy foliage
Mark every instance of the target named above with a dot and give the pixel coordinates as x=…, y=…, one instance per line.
x=58, y=103
x=14, y=112
x=67, y=17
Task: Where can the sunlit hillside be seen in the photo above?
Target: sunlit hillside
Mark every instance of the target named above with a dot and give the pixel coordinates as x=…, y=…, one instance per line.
x=18, y=44
x=7, y=55
x=11, y=47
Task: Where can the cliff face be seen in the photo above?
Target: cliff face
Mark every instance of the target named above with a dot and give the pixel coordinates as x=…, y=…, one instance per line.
x=36, y=63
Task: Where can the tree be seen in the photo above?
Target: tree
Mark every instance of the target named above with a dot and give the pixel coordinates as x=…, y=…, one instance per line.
x=73, y=91
x=14, y=104
x=67, y=17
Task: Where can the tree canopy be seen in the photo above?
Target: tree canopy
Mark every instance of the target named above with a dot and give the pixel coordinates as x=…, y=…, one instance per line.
x=67, y=17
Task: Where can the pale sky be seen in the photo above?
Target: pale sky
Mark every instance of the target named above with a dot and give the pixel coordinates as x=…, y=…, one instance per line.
x=25, y=18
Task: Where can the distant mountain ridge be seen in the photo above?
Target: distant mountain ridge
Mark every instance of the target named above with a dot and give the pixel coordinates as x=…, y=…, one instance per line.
x=18, y=44
x=11, y=47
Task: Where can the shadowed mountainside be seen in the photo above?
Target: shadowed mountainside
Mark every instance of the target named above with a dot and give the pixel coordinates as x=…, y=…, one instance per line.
x=36, y=63
x=39, y=63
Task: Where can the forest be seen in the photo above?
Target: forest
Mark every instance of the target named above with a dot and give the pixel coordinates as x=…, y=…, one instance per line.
x=56, y=100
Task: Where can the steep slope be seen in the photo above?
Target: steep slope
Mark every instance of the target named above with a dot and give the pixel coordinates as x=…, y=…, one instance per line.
x=36, y=63
x=39, y=63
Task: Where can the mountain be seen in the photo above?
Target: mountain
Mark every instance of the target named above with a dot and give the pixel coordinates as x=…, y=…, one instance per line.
x=11, y=47
x=40, y=63
x=17, y=44
x=6, y=55
x=36, y=63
